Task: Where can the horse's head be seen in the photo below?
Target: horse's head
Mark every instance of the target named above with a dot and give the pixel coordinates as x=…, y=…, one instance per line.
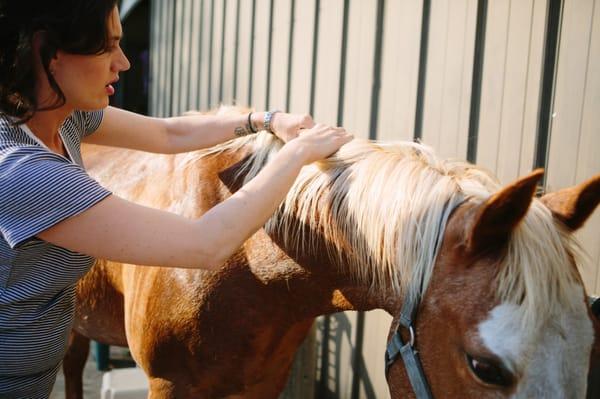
x=504, y=313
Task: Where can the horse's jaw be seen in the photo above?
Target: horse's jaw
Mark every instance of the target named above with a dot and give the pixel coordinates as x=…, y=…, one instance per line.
x=552, y=362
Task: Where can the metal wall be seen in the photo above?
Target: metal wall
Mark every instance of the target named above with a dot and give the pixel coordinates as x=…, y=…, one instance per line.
x=507, y=84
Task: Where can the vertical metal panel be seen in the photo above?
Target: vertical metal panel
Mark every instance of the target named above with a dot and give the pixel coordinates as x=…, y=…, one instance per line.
x=423, y=50
x=157, y=56
x=260, y=54
x=588, y=161
x=400, y=66
x=359, y=67
x=433, y=102
x=571, y=79
x=170, y=33
x=533, y=85
x=237, y=49
x=328, y=61
x=551, y=51
x=453, y=136
x=229, y=51
x=280, y=38
x=251, y=61
x=205, y=55
x=244, y=56
x=301, y=75
x=372, y=377
x=492, y=84
x=186, y=47
x=216, y=54
x=154, y=58
x=194, y=77
x=574, y=139
x=376, y=88
x=510, y=58
x=315, y=47
x=178, y=55
x=290, y=54
x=449, y=74
x=269, y=53
x=521, y=56
x=475, y=100
x=342, y=67
x=164, y=58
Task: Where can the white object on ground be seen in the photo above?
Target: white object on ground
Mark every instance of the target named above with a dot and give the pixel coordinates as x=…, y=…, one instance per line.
x=127, y=383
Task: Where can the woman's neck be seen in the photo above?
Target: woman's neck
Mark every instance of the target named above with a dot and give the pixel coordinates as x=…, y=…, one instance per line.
x=46, y=126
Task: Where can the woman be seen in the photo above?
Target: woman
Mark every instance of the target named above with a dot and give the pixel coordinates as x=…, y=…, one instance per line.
x=58, y=61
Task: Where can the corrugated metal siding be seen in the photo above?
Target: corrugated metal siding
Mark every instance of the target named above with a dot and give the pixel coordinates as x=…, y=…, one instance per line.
x=475, y=79
x=575, y=131
x=510, y=85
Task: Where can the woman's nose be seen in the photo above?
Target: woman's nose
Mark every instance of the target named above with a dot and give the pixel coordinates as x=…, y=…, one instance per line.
x=121, y=63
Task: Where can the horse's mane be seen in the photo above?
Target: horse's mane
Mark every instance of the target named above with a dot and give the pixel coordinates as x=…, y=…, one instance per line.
x=383, y=205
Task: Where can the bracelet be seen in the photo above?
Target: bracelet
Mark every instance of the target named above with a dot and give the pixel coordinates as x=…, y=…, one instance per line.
x=268, y=117
x=252, y=129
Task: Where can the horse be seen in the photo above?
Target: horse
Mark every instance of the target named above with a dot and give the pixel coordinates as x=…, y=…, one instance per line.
x=497, y=306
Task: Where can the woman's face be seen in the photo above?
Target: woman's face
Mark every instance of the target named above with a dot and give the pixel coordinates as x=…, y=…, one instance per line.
x=86, y=80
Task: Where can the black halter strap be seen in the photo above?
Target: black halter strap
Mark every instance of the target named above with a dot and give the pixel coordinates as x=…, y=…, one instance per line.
x=406, y=350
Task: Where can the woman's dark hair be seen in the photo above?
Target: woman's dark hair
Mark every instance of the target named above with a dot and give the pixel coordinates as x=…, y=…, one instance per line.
x=72, y=26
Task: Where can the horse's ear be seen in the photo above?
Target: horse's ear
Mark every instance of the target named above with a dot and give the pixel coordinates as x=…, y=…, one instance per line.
x=501, y=213
x=574, y=205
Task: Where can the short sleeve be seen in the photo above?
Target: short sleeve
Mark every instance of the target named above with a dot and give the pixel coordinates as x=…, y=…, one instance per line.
x=40, y=189
x=88, y=121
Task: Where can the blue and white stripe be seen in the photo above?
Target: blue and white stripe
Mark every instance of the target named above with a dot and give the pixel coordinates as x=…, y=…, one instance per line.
x=38, y=189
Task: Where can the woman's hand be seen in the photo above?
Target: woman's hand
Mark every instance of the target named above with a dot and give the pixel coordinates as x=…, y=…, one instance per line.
x=319, y=142
x=288, y=126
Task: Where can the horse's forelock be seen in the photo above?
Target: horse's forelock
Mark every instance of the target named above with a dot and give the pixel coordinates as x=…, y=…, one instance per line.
x=539, y=270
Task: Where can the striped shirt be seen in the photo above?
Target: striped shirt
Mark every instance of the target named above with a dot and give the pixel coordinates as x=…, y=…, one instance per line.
x=39, y=188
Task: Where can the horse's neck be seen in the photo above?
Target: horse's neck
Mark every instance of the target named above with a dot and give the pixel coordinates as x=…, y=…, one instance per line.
x=307, y=277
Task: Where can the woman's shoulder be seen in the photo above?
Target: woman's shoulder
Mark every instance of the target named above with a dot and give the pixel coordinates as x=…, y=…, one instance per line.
x=10, y=134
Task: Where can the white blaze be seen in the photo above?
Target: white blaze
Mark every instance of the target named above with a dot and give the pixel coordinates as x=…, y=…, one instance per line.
x=553, y=361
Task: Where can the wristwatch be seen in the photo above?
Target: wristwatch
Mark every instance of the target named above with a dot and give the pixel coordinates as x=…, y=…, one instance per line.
x=268, y=118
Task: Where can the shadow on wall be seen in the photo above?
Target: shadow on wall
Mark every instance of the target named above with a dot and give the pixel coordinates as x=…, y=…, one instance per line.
x=340, y=346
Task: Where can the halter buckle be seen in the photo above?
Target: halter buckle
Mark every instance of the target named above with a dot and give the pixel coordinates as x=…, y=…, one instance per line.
x=411, y=331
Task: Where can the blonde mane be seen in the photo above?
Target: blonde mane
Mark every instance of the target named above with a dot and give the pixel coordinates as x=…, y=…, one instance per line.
x=384, y=205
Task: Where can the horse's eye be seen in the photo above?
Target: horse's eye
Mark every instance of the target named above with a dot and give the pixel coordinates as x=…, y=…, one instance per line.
x=490, y=372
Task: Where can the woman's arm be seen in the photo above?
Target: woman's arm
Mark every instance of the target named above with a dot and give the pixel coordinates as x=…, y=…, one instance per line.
x=118, y=230
x=120, y=128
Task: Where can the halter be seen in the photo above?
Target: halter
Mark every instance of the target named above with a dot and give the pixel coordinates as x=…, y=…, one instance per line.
x=396, y=345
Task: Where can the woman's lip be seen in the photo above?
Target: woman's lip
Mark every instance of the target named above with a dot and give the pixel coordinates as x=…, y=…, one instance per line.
x=110, y=90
